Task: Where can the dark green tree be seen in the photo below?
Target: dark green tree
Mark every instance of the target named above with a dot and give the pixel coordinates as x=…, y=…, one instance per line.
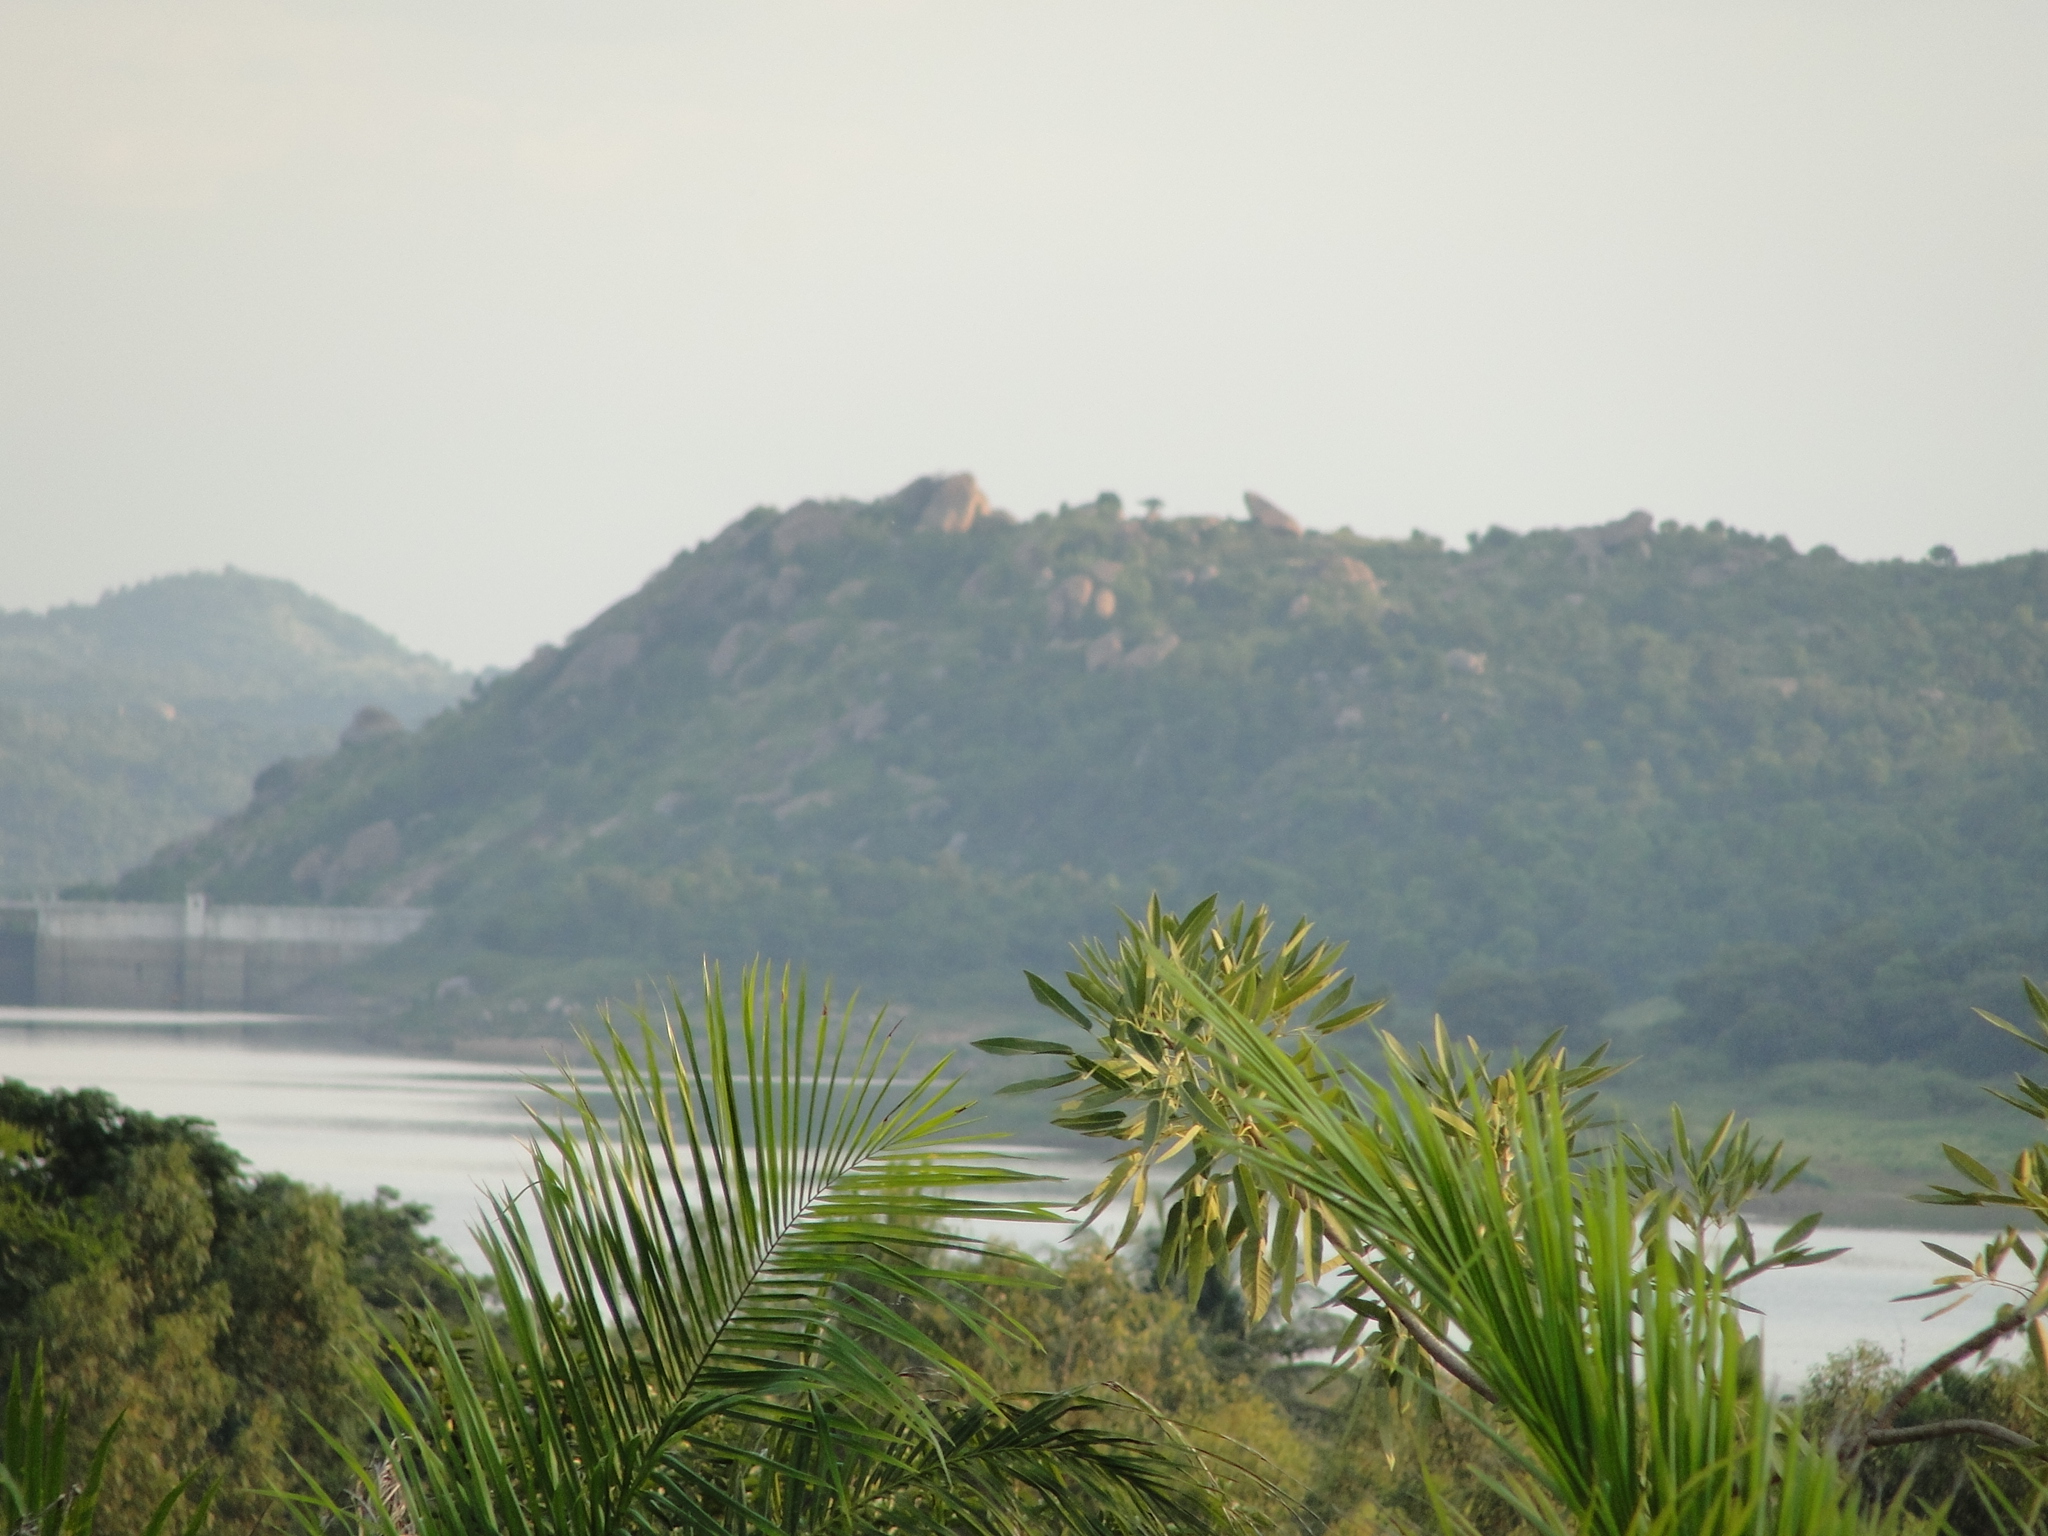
x=207, y=1311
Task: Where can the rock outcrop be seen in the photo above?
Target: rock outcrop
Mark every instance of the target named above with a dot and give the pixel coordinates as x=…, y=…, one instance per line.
x=1107, y=651
x=1631, y=534
x=726, y=654
x=1152, y=652
x=367, y=850
x=1072, y=597
x=949, y=505
x=1355, y=571
x=1266, y=515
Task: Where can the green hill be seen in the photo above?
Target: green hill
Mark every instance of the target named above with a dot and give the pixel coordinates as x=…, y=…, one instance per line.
x=139, y=718
x=921, y=747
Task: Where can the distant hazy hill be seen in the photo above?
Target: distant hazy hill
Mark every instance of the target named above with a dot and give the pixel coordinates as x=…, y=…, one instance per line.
x=920, y=747
x=140, y=718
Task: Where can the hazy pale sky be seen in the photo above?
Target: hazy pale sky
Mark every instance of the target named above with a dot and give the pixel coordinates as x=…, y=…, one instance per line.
x=468, y=316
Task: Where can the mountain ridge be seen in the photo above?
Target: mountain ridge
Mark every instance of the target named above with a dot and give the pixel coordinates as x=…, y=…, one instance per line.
x=921, y=745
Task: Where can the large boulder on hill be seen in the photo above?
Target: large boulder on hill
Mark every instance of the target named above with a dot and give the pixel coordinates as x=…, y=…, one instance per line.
x=1266, y=515
x=951, y=505
x=1355, y=572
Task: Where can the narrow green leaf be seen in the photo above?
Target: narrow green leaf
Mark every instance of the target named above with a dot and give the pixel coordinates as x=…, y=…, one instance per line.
x=1969, y=1167
x=1034, y=1084
x=1051, y=997
x=1010, y=1045
x=1797, y=1233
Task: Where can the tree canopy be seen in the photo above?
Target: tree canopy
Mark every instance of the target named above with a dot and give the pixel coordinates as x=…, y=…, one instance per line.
x=218, y=1314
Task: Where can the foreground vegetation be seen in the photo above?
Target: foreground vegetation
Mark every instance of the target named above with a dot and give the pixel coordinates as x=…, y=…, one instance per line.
x=151, y=1281
x=752, y=1287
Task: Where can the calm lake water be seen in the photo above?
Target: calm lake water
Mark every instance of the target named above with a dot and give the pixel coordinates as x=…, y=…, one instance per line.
x=441, y=1131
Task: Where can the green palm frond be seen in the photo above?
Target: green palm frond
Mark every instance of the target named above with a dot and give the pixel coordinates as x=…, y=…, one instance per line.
x=1019, y=1465
x=717, y=1302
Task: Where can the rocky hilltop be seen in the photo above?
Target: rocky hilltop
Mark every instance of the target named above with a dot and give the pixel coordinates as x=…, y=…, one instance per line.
x=920, y=744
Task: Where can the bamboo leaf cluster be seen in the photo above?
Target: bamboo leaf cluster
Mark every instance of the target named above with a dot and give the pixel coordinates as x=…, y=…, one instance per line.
x=1627, y=1395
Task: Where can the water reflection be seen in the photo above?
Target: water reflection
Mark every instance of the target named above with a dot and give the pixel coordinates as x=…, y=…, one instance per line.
x=435, y=1130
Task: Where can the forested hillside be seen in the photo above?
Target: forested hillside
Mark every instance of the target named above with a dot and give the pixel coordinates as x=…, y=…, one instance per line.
x=140, y=718
x=921, y=746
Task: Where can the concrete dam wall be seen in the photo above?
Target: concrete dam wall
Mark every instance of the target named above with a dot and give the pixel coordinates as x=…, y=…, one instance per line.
x=189, y=955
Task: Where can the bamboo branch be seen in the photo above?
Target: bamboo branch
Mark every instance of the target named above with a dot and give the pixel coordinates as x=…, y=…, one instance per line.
x=1945, y=1429
x=1933, y=1371
x=1436, y=1348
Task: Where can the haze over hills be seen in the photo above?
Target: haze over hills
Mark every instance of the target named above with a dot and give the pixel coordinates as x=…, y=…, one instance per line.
x=920, y=745
x=138, y=719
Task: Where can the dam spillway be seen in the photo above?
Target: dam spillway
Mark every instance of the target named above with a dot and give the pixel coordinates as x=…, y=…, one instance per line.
x=190, y=956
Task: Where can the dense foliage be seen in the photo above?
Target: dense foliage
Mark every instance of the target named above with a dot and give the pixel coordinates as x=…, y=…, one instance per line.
x=778, y=1352
x=210, y=1310
x=1865, y=994
x=1844, y=1393
x=1572, y=1283
x=137, y=719
x=925, y=758
x=748, y=1289
x=1340, y=1451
